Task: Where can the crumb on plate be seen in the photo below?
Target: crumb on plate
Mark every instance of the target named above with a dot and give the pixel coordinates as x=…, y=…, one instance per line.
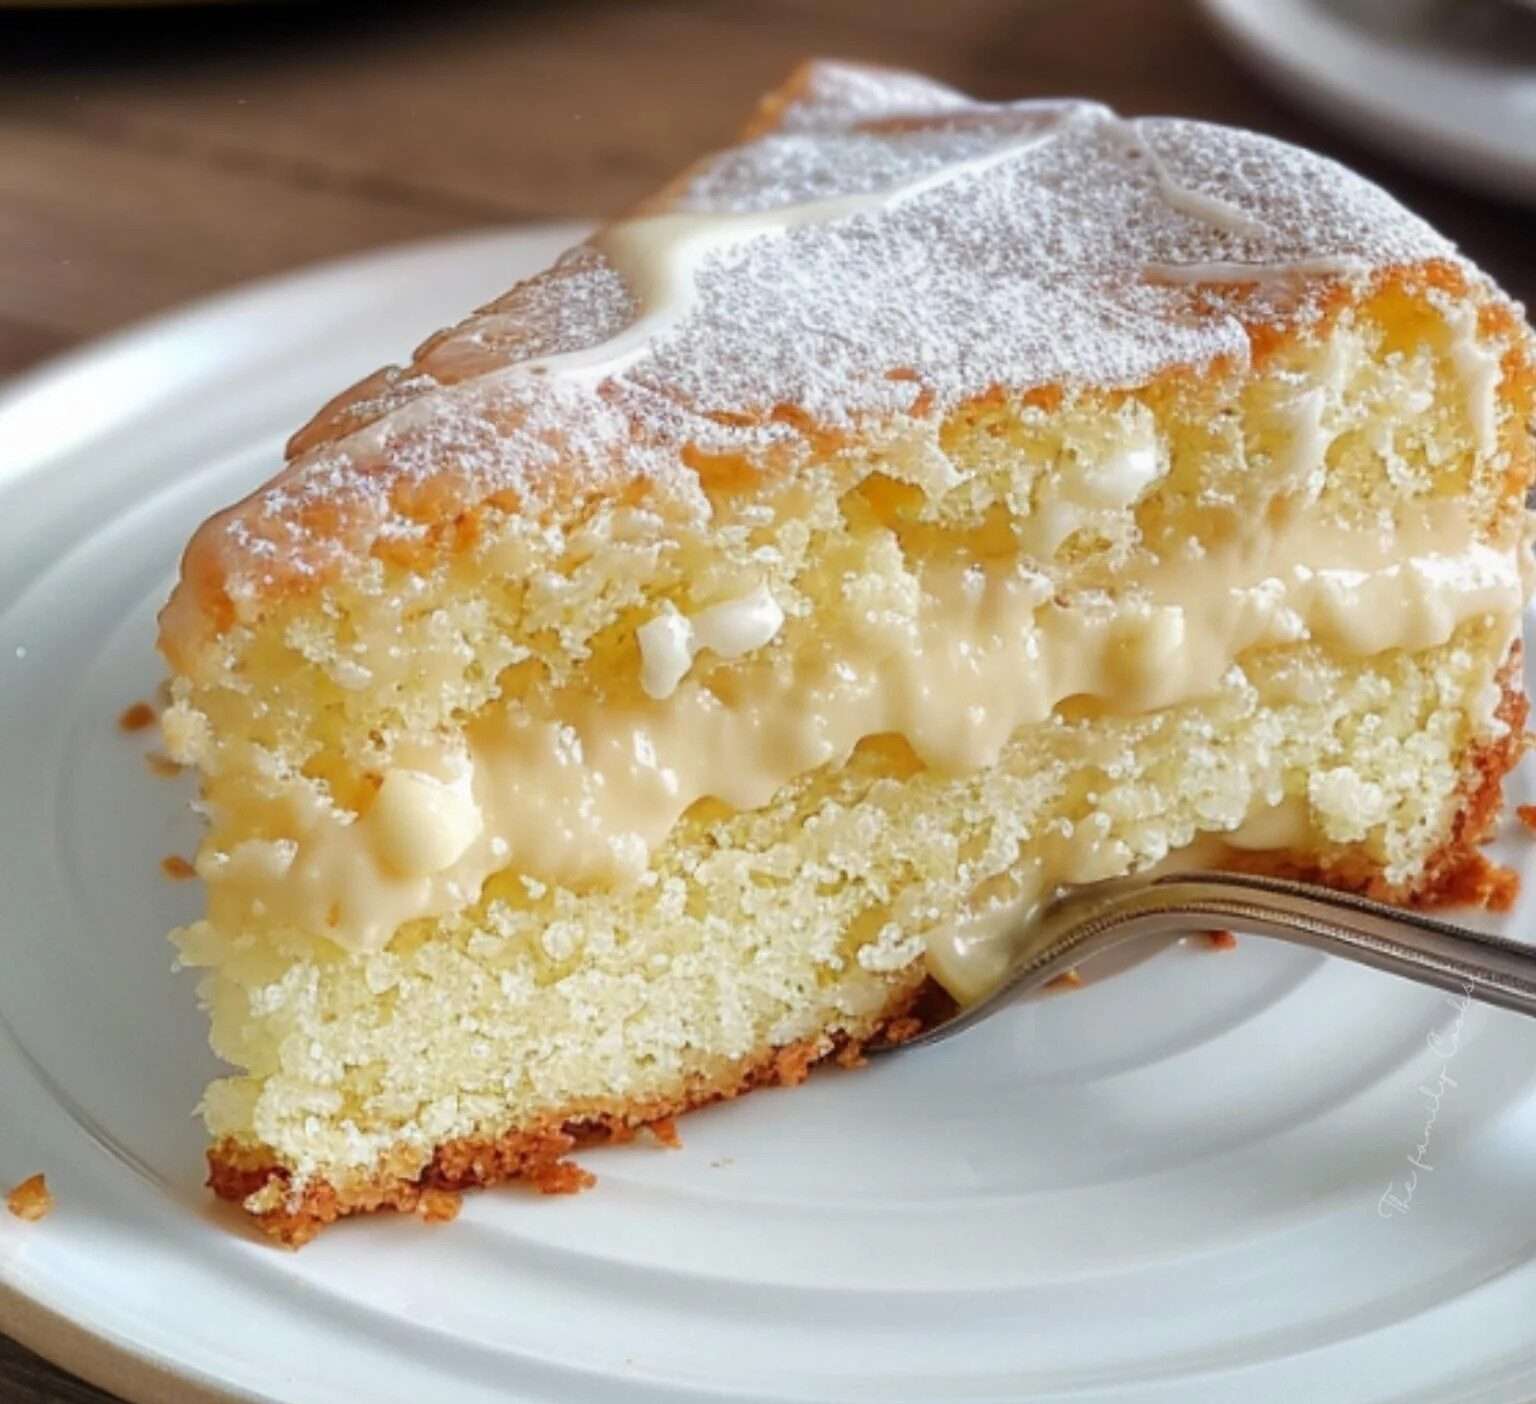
x=665, y=1132
x=136, y=717
x=439, y=1206
x=560, y=1177
x=31, y=1199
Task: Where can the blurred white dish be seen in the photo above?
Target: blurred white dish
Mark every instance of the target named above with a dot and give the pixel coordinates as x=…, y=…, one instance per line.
x=1449, y=85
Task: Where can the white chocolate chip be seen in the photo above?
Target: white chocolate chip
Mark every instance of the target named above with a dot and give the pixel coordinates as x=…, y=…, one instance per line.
x=422, y=825
x=738, y=626
x=666, y=653
x=670, y=642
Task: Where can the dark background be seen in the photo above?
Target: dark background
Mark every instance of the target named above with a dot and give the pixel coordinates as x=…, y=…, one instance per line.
x=148, y=156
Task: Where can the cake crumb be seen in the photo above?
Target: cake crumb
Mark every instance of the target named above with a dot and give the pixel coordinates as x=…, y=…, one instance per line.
x=1221, y=940
x=851, y=1055
x=900, y=1030
x=136, y=717
x=559, y=1177
x=161, y=764
x=31, y=1199
x=793, y=1065
x=665, y=1132
x=1067, y=980
x=439, y=1206
x=1478, y=882
x=1526, y=813
x=175, y=867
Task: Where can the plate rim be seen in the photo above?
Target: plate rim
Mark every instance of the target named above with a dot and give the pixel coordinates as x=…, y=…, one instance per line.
x=111, y=1363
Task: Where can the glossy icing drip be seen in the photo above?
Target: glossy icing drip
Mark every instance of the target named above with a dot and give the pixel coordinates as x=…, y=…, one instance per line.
x=659, y=255
x=1238, y=273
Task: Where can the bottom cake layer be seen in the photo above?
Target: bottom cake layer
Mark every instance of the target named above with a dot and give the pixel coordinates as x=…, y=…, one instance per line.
x=536, y=1154
x=293, y=1183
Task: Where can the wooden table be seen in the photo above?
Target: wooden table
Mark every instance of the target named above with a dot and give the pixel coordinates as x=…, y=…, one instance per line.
x=149, y=157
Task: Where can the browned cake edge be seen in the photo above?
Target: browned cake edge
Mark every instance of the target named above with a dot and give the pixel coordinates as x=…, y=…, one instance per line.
x=1457, y=873
x=536, y=1153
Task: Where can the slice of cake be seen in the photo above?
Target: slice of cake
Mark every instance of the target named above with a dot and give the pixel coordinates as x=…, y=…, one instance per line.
x=683, y=663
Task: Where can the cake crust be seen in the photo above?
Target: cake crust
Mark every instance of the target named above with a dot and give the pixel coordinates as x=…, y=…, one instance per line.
x=1458, y=873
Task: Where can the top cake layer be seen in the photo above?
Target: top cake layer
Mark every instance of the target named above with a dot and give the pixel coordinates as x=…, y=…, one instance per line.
x=882, y=249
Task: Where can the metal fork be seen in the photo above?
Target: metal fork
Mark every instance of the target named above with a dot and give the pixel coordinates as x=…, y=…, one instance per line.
x=1088, y=920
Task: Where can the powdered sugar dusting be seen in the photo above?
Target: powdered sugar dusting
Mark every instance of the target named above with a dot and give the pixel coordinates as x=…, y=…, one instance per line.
x=957, y=244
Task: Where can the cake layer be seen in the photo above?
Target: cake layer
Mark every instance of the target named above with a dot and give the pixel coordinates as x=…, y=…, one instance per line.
x=582, y=791
x=894, y=250
x=815, y=913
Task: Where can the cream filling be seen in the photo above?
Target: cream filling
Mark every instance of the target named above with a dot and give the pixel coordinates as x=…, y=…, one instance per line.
x=971, y=957
x=586, y=797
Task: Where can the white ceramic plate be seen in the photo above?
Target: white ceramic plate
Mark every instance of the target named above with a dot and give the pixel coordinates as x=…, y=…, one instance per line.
x=1164, y=1187
x=1449, y=85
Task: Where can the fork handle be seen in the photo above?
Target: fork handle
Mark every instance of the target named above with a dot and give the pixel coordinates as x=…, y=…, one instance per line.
x=1422, y=948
